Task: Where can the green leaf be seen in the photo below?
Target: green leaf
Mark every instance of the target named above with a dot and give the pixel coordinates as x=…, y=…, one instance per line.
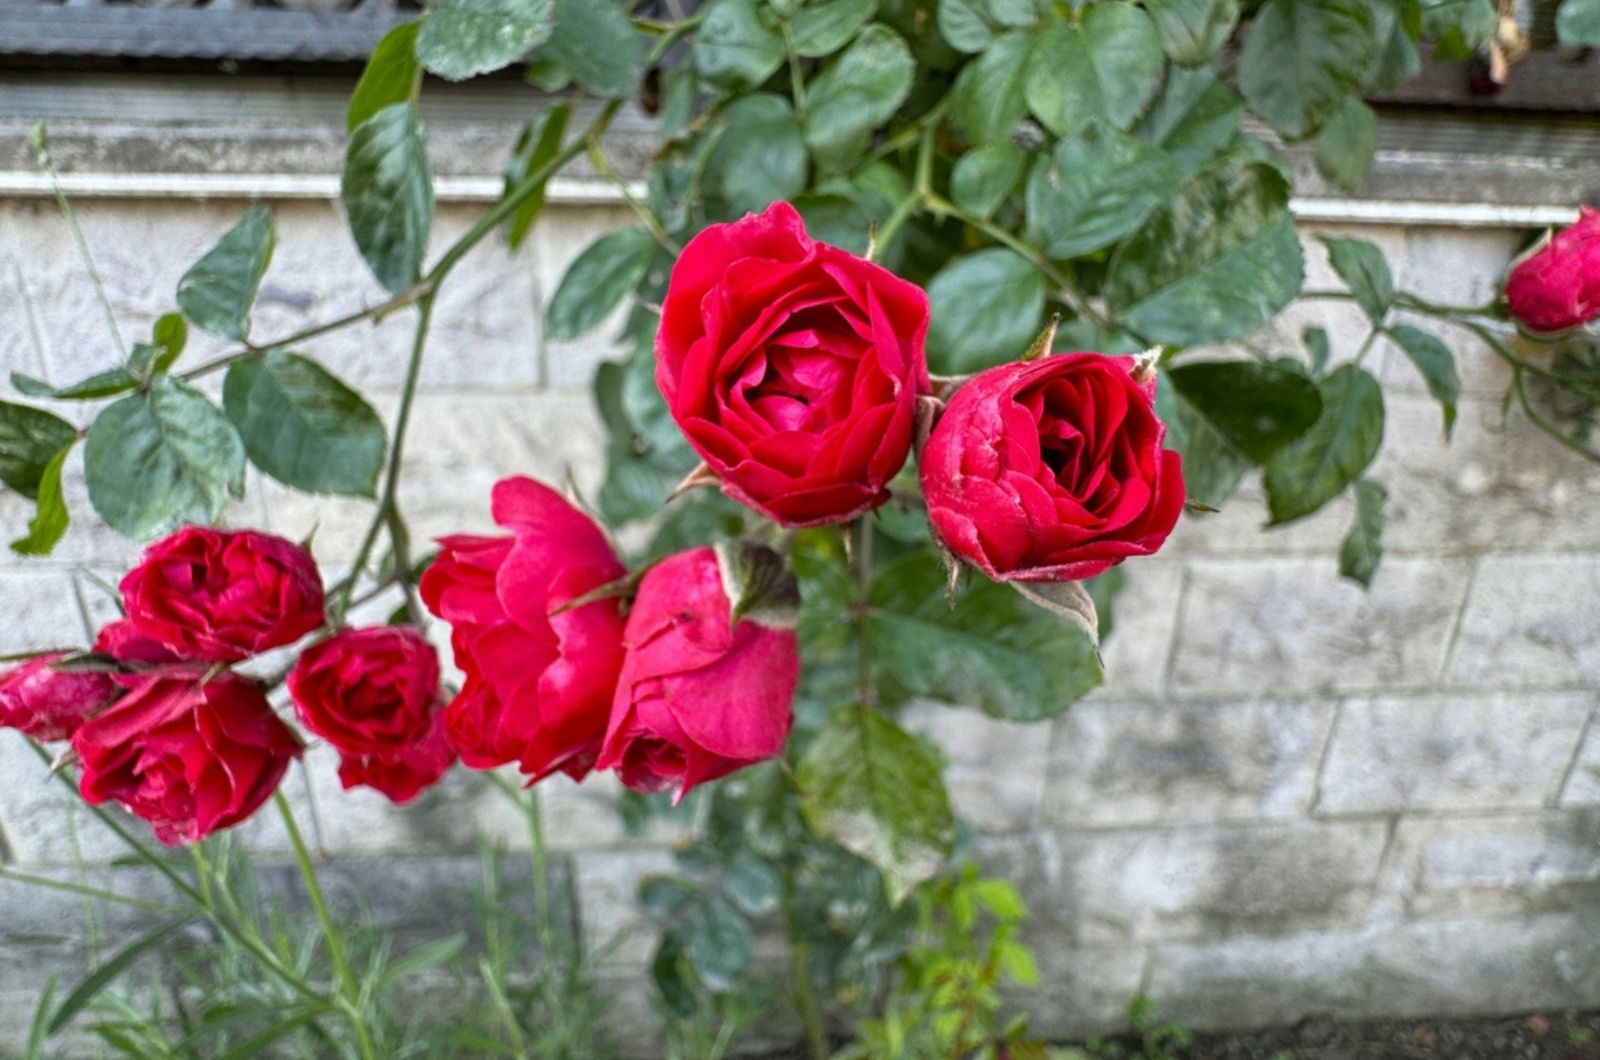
x=1193, y=118
x=761, y=157
x=598, y=280
x=218, y=290
x=1259, y=408
x=987, y=100
x=668, y=971
x=1347, y=144
x=1361, y=265
x=388, y=76
x=983, y=652
x=987, y=308
x=1308, y=473
x=1094, y=189
x=1458, y=28
x=387, y=188
x=875, y=789
x=734, y=48
x=823, y=29
x=856, y=93
x=1301, y=58
x=1104, y=66
x=463, y=38
x=1316, y=340
x=29, y=439
x=596, y=42
x=304, y=427
x=1398, y=24
x=171, y=333
x=1216, y=263
x=984, y=178
x=664, y=897
x=538, y=144
x=99, y=385
x=972, y=25
x=752, y=884
x=718, y=942
x=1437, y=366
x=1192, y=31
x=1362, y=549
x=1578, y=23
x=1212, y=467
x=50, y=519
x=154, y=462
x=421, y=958
x=107, y=971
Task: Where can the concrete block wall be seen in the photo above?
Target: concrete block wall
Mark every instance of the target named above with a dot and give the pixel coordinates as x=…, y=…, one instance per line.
x=1291, y=797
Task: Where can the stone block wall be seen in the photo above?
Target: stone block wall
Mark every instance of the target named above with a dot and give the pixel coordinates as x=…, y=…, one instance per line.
x=1291, y=797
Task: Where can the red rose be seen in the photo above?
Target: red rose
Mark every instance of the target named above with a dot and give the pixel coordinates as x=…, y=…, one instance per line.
x=538, y=682
x=698, y=697
x=403, y=774
x=123, y=642
x=220, y=596
x=1052, y=470
x=187, y=754
x=1557, y=286
x=792, y=367
x=49, y=704
x=367, y=691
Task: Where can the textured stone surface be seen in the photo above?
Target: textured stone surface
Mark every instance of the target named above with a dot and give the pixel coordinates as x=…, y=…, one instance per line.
x=41, y=610
x=1140, y=642
x=1139, y=763
x=1583, y=780
x=1530, y=622
x=608, y=883
x=1454, y=752
x=1081, y=989
x=1293, y=626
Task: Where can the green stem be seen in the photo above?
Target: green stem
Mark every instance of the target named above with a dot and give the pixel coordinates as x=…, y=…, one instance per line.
x=863, y=559
x=330, y=934
x=603, y=166
x=48, y=164
x=88, y=892
x=1545, y=425
x=805, y=994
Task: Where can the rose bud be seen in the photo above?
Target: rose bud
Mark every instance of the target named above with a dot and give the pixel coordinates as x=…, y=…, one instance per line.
x=1557, y=285
x=187, y=754
x=223, y=596
x=1052, y=469
x=538, y=676
x=403, y=774
x=367, y=691
x=792, y=367
x=701, y=695
x=48, y=704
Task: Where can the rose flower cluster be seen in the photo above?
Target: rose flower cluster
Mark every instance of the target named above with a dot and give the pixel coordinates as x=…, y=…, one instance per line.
x=796, y=370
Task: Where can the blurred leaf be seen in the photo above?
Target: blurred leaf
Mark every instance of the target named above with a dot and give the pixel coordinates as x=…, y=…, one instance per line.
x=29, y=439
x=303, y=426
x=596, y=41
x=99, y=385
x=537, y=145
x=875, y=789
x=1104, y=66
x=388, y=76
x=855, y=93
x=1094, y=189
x=156, y=461
x=387, y=189
x=1301, y=58
x=1212, y=467
x=1192, y=31
x=428, y=955
x=1398, y=24
x=1578, y=23
x=717, y=941
x=972, y=25
x=598, y=280
x=987, y=100
x=108, y=970
x=1216, y=262
x=1316, y=340
x=667, y=969
x=1363, y=268
x=218, y=290
x=734, y=48
x=1458, y=28
x=761, y=157
x=1259, y=408
x=985, y=177
x=1362, y=549
x=171, y=333
x=1194, y=117
x=664, y=897
x=752, y=884
x=1347, y=144
x=463, y=38
x=1437, y=366
x=987, y=308
x=824, y=28
x=50, y=519
x=1311, y=471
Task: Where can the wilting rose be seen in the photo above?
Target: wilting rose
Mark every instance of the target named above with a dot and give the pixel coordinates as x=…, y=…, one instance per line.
x=403, y=774
x=793, y=367
x=538, y=678
x=1557, y=286
x=187, y=754
x=223, y=596
x=698, y=697
x=50, y=704
x=367, y=691
x=1052, y=470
